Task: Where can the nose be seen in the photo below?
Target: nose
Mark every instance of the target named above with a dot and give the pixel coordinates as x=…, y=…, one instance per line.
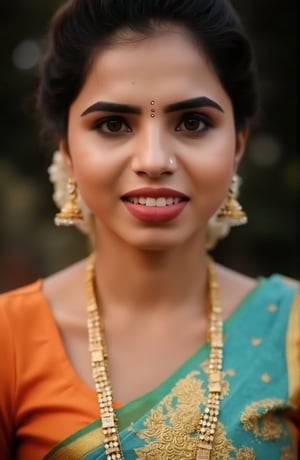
x=153, y=156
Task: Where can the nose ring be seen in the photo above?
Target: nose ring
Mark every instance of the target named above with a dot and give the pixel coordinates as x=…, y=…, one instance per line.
x=171, y=161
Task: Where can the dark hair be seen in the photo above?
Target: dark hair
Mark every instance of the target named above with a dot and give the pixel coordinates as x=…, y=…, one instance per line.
x=82, y=27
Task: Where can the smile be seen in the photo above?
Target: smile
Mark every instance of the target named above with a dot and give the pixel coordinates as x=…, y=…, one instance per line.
x=155, y=205
x=159, y=202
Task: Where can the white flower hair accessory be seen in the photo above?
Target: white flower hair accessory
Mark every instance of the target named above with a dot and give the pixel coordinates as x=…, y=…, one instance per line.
x=59, y=178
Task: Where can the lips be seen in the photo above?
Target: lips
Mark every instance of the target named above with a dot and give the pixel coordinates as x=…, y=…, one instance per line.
x=156, y=192
x=155, y=204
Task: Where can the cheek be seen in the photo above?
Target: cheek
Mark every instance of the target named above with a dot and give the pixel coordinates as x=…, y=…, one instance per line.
x=214, y=161
x=95, y=178
x=93, y=164
x=212, y=171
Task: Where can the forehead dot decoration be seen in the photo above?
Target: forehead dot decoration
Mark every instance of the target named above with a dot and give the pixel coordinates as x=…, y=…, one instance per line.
x=153, y=111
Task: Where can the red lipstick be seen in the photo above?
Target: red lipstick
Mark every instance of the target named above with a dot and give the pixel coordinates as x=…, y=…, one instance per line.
x=155, y=193
x=157, y=205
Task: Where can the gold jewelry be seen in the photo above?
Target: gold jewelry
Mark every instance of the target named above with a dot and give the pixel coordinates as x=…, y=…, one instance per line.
x=232, y=211
x=70, y=213
x=99, y=360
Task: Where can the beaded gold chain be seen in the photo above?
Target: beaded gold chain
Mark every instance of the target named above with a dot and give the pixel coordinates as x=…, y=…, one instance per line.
x=99, y=360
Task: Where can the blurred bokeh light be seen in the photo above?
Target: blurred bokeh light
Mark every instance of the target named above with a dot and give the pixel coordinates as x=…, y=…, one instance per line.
x=26, y=55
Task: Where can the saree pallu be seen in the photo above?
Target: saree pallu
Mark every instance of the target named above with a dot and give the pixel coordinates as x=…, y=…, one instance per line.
x=260, y=393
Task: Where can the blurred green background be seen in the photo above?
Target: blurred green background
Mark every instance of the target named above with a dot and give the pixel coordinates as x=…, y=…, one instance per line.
x=31, y=246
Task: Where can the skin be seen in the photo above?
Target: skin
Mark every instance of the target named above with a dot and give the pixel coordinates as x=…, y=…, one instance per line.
x=157, y=316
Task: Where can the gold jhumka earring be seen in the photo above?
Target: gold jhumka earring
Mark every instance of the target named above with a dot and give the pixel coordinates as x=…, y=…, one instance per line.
x=71, y=213
x=232, y=211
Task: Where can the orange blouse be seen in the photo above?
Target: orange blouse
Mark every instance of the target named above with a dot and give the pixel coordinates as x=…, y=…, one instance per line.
x=42, y=399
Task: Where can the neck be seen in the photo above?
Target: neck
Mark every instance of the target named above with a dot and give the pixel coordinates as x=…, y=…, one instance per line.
x=150, y=280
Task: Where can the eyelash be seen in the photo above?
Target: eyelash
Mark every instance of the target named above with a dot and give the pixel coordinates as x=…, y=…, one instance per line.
x=194, y=116
x=189, y=116
x=114, y=118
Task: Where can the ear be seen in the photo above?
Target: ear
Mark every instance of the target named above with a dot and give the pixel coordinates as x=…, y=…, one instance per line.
x=241, y=142
x=65, y=151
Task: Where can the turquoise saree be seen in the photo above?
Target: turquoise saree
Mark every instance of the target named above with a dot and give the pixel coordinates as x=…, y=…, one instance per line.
x=260, y=393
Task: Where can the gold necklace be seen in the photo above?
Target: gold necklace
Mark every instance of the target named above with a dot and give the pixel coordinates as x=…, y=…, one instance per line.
x=99, y=360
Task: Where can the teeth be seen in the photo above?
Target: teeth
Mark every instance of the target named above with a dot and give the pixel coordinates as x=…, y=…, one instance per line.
x=161, y=202
x=155, y=202
x=150, y=202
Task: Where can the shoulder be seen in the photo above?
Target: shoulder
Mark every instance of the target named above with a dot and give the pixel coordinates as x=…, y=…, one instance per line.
x=292, y=282
x=21, y=310
x=21, y=291
x=235, y=287
x=33, y=306
x=16, y=319
x=15, y=301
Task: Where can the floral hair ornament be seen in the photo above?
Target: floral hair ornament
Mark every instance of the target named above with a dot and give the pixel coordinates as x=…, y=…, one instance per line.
x=67, y=197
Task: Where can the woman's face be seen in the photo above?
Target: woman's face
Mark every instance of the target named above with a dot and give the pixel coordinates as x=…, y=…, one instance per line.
x=152, y=142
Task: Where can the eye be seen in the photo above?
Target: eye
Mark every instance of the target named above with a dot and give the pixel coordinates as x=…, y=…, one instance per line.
x=111, y=125
x=193, y=122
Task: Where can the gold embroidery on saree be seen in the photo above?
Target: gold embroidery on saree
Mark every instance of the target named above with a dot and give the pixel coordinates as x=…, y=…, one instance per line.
x=266, y=378
x=169, y=430
x=230, y=372
x=245, y=453
x=260, y=417
x=224, y=449
x=256, y=341
x=272, y=308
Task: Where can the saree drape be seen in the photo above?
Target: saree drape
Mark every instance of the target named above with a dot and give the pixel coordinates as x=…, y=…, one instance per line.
x=260, y=393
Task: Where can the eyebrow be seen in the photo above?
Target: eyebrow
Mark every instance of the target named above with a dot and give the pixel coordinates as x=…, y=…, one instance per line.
x=197, y=102
x=112, y=107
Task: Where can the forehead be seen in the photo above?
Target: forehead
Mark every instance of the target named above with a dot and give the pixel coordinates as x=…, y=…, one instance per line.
x=167, y=65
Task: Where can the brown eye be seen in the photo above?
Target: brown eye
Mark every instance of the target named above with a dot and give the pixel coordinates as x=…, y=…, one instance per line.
x=193, y=123
x=111, y=125
x=114, y=125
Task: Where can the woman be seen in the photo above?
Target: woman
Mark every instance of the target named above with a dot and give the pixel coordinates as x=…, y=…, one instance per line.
x=124, y=356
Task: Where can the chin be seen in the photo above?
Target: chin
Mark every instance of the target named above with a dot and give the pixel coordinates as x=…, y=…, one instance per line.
x=161, y=242
x=152, y=244
x=155, y=247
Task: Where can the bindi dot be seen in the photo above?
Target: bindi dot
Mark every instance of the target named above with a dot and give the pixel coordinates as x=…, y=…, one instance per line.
x=153, y=111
